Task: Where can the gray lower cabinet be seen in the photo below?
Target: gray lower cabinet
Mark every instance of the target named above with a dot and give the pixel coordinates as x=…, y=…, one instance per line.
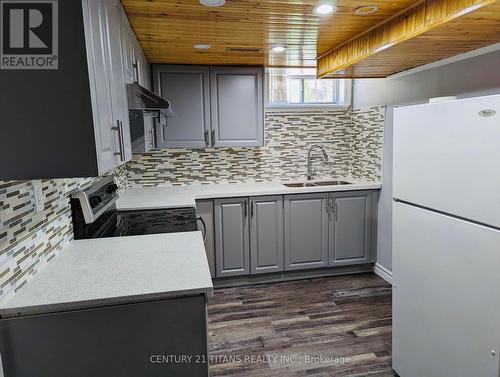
x=350, y=228
x=266, y=235
x=187, y=89
x=205, y=218
x=306, y=231
x=271, y=234
x=232, y=246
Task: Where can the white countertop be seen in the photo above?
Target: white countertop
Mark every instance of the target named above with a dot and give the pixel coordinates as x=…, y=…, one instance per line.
x=186, y=196
x=98, y=272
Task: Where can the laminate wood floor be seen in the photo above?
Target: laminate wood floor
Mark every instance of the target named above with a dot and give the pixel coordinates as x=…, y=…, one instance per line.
x=336, y=326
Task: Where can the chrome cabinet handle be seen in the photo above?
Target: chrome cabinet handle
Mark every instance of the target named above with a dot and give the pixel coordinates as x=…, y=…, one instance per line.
x=151, y=140
x=252, y=205
x=135, y=67
x=206, y=138
x=245, y=205
x=123, y=139
x=213, y=138
x=118, y=129
x=335, y=211
x=205, y=233
x=327, y=206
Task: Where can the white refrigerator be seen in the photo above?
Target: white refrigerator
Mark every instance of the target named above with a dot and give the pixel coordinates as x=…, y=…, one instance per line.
x=446, y=239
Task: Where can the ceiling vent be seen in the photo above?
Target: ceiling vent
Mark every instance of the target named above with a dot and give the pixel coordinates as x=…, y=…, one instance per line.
x=245, y=50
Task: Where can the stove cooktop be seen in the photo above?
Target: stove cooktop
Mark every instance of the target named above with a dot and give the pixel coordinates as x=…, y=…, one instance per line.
x=95, y=216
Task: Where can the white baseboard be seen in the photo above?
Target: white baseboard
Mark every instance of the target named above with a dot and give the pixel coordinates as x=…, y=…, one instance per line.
x=383, y=272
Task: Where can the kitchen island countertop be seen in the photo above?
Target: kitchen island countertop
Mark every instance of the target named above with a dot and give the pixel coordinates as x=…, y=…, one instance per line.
x=109, y=271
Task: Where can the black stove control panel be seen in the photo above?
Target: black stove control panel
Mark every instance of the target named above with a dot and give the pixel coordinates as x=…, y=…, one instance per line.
x=103, y=196
x=97, y=198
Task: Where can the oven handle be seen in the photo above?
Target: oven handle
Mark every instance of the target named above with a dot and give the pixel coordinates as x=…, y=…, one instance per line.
x=204, y=228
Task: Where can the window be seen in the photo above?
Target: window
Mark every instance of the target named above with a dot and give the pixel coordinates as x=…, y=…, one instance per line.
x=299, y=87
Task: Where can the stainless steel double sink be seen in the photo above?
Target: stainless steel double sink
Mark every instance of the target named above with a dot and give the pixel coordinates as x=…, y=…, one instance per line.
x=316, y=183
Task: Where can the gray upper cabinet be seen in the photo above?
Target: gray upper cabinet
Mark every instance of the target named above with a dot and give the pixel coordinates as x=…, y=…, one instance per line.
x=135, y=64
x=266, y=234
x=128, y=50
x=350, y=228
x=237, y=106
x=213, y=106
x=106, y=142
x=187, y=89
x=136, y=69
x=142, y=66
x=103, y=34
x=306, y=231
x=113, y=12
x=232, y=246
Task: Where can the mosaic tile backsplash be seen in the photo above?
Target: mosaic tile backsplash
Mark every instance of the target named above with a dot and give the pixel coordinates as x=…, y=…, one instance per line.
x=29, y=240
x=366, y=141
x=353, y=141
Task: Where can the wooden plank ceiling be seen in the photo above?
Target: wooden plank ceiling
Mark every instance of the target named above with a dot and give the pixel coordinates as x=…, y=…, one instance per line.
x=430, y=31
x=168, y=29
x=401, y=35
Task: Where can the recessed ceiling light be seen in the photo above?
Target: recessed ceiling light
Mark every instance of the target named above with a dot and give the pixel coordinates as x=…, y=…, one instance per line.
x=323, y=9
x=202, y=46
x=366, y=10
x=213, y=3
x=278, y=48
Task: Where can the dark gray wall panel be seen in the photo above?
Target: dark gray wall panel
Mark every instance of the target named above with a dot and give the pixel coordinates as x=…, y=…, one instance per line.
x=105, y=342
x=46, y=115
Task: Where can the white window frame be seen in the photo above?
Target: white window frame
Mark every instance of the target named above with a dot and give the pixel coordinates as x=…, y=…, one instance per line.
x=344, y=98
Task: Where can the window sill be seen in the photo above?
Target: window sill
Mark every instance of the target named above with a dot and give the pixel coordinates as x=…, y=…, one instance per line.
x=298, y=108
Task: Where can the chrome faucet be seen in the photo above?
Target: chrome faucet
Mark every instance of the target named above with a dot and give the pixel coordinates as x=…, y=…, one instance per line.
x=309, y=167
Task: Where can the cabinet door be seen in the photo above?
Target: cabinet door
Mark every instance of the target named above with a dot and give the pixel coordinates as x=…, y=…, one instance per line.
x=187, y=89
x=96, y=42
x=267, y=253
x=205, y=217
x=112, y=26
x=143, y=68
x=237, y=106
x=350, y=228
x=128, y=49
x=232, y=254
x=306, y=231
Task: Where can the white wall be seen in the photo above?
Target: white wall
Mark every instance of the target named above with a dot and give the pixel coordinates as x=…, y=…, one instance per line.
x=467, y=78
x=476, y=76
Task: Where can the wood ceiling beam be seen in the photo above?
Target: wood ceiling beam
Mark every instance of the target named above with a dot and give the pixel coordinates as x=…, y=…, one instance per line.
x=423, y=17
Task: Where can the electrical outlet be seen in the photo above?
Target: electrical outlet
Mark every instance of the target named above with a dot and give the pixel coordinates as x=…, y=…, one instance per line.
x=38, y=196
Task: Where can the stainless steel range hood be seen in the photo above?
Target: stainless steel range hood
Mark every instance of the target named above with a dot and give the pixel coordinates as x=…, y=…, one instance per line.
x=140, y=98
